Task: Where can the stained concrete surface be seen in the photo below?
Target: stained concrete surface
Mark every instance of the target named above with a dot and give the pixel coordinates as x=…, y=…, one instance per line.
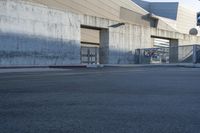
x=32, y=34
x=105, y=100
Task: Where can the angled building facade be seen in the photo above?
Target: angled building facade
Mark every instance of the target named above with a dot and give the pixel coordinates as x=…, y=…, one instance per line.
x=174, y=14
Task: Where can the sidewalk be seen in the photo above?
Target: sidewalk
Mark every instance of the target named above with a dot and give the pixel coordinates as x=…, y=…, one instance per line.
x=15, y=69
x=186, y=65
x=19, y=70
x=4, y=69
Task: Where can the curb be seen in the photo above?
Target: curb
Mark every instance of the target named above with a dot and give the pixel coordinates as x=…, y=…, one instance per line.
x=68, y=66
x=159, y=65
x=104, y=65
x=20, y=67
x=59, y=67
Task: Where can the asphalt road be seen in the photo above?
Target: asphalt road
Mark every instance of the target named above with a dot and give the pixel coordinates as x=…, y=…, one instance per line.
x=107, y=100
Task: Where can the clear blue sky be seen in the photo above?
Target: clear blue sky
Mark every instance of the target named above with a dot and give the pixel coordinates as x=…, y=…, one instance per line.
x=193, y=4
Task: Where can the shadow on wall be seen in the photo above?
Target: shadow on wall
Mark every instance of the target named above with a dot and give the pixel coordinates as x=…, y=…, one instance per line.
x=121, y=57
x=21, y=49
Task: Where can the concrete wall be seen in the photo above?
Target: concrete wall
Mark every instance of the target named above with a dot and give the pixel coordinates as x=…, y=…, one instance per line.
x=183, y=39
x=165, y=25
x=109, y=9
x=132, y=17
x=186, y=19
x=122, y=40
x=32, y=34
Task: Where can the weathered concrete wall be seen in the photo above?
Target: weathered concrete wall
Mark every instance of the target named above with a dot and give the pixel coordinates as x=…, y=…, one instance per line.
x=109, y=9
x=31, y=34
x=184, y=39
x=132, y=17
x=186, y=19
x=123, y=40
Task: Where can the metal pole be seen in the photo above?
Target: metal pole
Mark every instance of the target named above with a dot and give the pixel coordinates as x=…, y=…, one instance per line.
x=95, y=55
x=194, y=54
x=88, y=54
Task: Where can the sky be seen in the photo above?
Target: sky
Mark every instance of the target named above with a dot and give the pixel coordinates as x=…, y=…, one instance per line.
x=193, y=4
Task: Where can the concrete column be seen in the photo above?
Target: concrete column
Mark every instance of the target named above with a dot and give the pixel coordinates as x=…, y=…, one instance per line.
x=137, y=56
x=104, y=46
x=173, y=51
x=152, y=41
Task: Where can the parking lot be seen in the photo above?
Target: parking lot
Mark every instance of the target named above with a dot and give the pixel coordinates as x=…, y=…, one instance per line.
x=103, y=100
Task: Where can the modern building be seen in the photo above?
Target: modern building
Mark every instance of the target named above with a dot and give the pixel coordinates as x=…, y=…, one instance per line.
x=180, y=18
x=62, y=32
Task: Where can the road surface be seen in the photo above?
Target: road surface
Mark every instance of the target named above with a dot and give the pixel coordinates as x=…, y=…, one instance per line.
x=105, y=100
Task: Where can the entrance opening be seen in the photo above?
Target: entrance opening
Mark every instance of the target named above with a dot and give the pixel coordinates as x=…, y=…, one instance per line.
x=94, y=45
x=160, y=52
x=164, y=51
x=89, y=54
x=90, y=43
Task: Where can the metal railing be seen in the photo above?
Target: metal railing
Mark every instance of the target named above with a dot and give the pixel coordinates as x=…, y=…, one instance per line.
x=166, y=55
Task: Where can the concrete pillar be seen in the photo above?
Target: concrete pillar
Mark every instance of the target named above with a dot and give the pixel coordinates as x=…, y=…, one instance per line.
x=104, y=46
x=137, y=56
x=152, y=41
x=173, y=51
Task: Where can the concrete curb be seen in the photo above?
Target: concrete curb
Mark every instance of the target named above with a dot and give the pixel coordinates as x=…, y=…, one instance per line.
x=102, y=65
x=68, y=66
x=51, y=66
x=96, y=66
x=20, y=67
x=32, y=70
x=157, y=65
